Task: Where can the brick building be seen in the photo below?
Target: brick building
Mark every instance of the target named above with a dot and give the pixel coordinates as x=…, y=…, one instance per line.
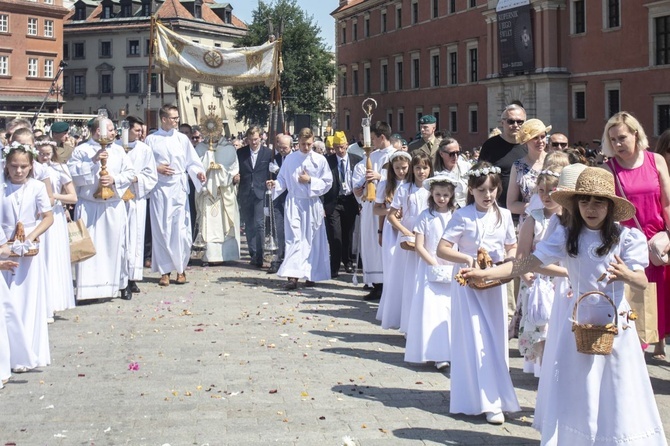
x=31, y=41
x=443, y=57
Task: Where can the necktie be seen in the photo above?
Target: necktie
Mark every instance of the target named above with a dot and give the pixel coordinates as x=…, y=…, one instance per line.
x=342, y=174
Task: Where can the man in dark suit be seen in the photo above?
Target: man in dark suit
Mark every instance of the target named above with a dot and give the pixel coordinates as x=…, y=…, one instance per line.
x=254, y=162
x=282, y=146
x=341, y=206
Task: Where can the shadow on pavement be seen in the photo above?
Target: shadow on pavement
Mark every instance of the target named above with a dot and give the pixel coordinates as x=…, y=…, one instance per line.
x=461, y=437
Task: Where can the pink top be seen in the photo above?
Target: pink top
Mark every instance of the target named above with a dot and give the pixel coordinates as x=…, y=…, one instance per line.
x=643, y=189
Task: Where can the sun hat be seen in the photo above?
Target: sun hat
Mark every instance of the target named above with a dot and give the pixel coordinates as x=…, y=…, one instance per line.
x=569, y=176
x=596, y=182
x=399, y=153
x=530, y=129
x=438, y=179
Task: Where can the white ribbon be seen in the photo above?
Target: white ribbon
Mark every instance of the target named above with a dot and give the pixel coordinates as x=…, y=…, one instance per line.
x=21, y=248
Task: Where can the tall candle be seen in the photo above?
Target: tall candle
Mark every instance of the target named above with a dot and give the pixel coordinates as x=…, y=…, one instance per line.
x=124, y=137
x=367, y=141
x=103, y=128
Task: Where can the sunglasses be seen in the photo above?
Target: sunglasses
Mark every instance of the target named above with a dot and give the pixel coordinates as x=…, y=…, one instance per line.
x=515, y=121
x=451, y=154
x=559, y=144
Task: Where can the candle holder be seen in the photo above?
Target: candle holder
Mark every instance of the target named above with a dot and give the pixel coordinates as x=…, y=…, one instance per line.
x=104, y=192
x=368, y=106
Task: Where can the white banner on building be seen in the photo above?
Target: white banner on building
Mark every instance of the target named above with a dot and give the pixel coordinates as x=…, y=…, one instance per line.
x=180, y=58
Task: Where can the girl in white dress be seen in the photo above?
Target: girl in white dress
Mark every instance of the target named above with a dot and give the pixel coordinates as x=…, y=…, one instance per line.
x=7, y=265
x=594, y=399
x=429, y=326
x=480, y=379
x=388, y=235
x=409, y=201
x=26, y=200
x=55, y=243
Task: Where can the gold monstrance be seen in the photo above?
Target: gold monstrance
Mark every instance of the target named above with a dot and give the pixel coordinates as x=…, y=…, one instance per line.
x=104, y=139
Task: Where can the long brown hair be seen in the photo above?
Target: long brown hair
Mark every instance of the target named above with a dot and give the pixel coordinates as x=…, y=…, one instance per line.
x=610, y=232
x=392, y=178
x=475, y=181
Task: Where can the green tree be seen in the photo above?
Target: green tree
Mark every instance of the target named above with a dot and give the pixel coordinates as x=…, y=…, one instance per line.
x=308, y=66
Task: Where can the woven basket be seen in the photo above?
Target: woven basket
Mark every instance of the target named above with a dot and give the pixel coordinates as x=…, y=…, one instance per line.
x=20, y=235
x=594, y=339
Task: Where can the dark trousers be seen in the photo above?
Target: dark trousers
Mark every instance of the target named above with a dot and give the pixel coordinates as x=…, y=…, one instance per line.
x=191, y=204
x=340, y=230
x=147, y=233
x=251, y=213
x=279, y=223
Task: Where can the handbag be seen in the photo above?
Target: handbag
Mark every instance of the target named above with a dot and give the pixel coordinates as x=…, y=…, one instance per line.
x=540, y=300
x=81, y=244
x=645, y=305
x=659, y=243
x=439, y=273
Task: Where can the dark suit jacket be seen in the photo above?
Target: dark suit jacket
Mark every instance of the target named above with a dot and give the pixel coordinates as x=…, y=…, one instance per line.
x=252, y=179
x=330, y=197
x=279, y=201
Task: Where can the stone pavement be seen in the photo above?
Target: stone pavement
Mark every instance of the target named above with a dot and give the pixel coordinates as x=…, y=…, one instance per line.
x=230, y=359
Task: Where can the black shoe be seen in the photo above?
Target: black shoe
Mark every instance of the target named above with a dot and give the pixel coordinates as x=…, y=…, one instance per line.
x=292, y=284
x=310, y=283
x=334, y=275
x=375, y=294
x=126, y=294
x=133, y=286
x=349, y=268
x=274, y=267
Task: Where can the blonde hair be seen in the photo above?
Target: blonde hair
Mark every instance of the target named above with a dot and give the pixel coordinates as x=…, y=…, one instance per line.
x=555, y=158
x=634, y=126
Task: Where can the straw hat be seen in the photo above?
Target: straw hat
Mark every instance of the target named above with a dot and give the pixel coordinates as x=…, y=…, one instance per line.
x=569, y=176
x=596, y=182
x=530, y=129
x=438, y=179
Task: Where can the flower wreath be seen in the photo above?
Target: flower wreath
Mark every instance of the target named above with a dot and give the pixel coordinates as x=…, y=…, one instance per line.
x=550, y=172
x=485, y=171
x=45, y=143
x=15, y=145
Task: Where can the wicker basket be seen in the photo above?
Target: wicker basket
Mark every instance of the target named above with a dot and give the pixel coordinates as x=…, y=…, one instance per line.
x=20, y=235
x=594, y=339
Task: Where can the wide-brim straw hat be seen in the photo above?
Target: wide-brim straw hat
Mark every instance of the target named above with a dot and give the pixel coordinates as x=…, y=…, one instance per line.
x=438, y=179
x=530, y=129
x=569, y=175
x=596, y=182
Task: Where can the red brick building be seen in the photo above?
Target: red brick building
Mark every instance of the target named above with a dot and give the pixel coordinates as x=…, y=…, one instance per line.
x=31, y=44
x=444, y=57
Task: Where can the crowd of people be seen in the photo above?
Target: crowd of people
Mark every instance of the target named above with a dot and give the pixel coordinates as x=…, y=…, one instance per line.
x=425, y=222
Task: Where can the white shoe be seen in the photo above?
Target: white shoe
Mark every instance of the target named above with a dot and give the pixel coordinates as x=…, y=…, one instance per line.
x=442, y=365
x=20, y=369
x=495, y=417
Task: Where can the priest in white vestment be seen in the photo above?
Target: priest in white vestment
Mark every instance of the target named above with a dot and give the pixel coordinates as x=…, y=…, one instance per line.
x=371, y=253
x=218, y=211
x=176, y=160
x=143, y=183
x=105, y=274
x=306, y=175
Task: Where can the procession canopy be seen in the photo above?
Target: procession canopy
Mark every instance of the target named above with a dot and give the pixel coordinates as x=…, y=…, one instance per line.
x=180, y=58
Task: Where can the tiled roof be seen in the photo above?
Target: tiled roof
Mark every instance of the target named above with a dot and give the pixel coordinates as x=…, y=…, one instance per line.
x=172, y=9
x=351, y=4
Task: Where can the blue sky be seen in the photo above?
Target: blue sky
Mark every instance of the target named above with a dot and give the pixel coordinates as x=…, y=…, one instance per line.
x=319, y=10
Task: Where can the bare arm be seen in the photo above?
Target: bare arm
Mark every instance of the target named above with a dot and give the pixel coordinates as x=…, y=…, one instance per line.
x=396, y=223
x=421, y=250
x=446, y=251
x=664, y=179
x=68, y=195
x=514, y=203
x=47, y=221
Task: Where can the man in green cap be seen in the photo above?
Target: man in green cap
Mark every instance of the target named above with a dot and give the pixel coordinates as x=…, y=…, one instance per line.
x=428, y=143
x=64, y=148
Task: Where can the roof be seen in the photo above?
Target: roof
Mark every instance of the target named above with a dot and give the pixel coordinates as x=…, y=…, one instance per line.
x=351, y=4
x=172, y=9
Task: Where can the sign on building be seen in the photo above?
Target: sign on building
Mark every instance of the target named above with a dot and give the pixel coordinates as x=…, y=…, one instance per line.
x=515, y=36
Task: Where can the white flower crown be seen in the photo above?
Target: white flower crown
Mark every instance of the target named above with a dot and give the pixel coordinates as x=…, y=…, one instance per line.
x=45, y=143
x=484, y=171
x=15, y=145
x=550, y=172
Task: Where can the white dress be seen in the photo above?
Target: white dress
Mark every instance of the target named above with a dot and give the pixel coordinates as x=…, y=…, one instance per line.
x=56, y=248
x=480, y=379
x=5, y=355
x=596, y=399
x=429, y=326
x=25, y=306
x=389, y=238
x=306, y=255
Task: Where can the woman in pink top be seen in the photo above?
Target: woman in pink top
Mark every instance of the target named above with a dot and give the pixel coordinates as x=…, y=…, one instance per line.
x=643, y=176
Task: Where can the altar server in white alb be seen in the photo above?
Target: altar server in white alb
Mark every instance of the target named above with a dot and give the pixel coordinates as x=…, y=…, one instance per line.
x=306, y=175
x=176, y=159
x=143, y=183
x=105, y=274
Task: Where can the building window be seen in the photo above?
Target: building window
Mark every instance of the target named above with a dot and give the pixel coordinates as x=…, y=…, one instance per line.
x=354, y=81
x=579, y=102
x=105, y=83
x=662, y=118
x=385, y=77
x=398, y=18
x=106, y=48
x=4, y=23
x=79, y=86
x=32, y=67
x=133, y=47
x=401, y=121
x=578, y=17
x=66, y=51
x=366, y=80
x=154, y=82
x=366, y=27
x=613, y=13
x=474, y=120
x=662, y=35
x=435, y=70
x=49, y=2
x=453, y=120
x=612, y=99
x=146, y=9
x=399, y=79
x=473, y=65
x=343, y=35
x=66, y=85
x=354, y=32
x=347, y=121
x=127, y=10
x=436, y=8
x=383, y=22
x=419, y=115
x=80, y=13
x=107, y=12
x=415, y=72
x=48, y=28
x=453, y=68
x=415, y=12
x=473, y=3
x=4, y=65
x=343, y=84
x=134, y=83
x=452, y=6
x=49, y=68
x=78, y=50
x=32, y=26
x=195, y=89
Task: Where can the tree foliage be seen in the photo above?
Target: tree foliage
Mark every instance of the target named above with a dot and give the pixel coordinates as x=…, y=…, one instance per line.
x=308, y=67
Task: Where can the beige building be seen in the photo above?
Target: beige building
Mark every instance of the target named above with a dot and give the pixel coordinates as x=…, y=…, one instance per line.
x=106, y=47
